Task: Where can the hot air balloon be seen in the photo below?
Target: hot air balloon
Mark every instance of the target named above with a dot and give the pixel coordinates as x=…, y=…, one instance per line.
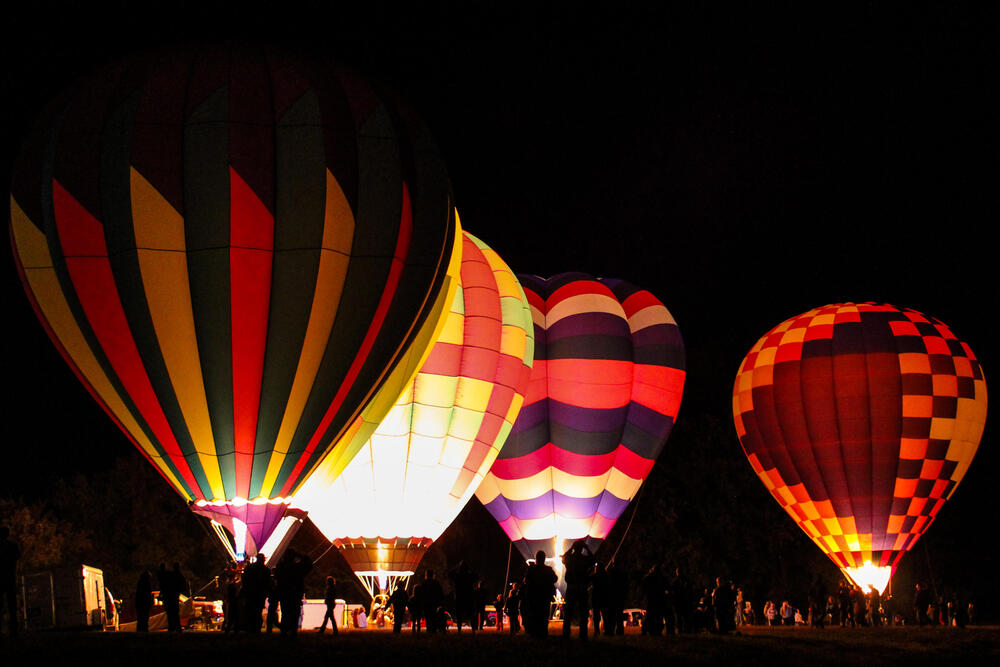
x=604, y=392
x=423, y=462
x=861, y=419
x=232, y=249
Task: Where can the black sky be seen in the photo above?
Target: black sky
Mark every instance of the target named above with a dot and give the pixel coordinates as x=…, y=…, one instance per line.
x=743, y=165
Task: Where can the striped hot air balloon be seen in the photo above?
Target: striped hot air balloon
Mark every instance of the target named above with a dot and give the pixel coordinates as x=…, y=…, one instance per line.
x=421, y=465
x=604, y=392
x=861, y=419
x=233, y=248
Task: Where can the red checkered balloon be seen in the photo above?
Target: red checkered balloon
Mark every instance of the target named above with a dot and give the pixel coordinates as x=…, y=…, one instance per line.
x=861, y=419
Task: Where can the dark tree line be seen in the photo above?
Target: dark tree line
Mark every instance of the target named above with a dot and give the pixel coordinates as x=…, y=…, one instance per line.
x=122, y=519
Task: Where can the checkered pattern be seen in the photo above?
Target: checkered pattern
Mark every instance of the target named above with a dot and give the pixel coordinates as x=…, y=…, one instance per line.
x=861, y=420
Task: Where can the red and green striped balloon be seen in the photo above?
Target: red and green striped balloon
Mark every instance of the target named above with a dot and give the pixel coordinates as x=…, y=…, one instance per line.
x=232, y=249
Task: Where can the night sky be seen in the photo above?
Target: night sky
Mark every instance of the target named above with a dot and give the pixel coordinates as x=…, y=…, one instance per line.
x=742, y=166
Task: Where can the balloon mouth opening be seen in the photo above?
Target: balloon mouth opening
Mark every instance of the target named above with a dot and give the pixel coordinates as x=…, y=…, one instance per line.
x=869, y=575
x=379, y=582
x=242, y=502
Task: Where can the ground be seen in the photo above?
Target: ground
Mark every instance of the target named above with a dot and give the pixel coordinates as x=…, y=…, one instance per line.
x=763, y=646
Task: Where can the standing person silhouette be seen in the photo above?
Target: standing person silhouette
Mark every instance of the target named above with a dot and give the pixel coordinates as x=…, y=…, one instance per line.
x=256, y=586
x=599, y=599
x=143, y=601
x=416, y=610
x=653, y=586
x=398, y=600
x=231, y=603
x=617, y=592
x=464, y=580
x=432, y=601
x=9, y=555
x=272, y=602
x=291, y=574
x=539, y=586
x=579, y=562
x=513, y=608
x=330, y=600
x=177, y=584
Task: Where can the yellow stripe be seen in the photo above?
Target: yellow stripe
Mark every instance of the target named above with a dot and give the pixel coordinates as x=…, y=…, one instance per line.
x=453, y=330
x=338, y=235
x=473, y=394
x=514, y=342
x=514, y=409
x=159, y=237
x=401, y=377
x=33, y=253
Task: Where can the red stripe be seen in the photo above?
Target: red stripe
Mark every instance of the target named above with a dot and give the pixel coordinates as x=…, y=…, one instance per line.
x=550, y=455
x=623, y=459
x=576, y=288
x=72, y=364
x=590, y=383
x=500, y=399
x=658, y=388
x=601, y=526
x=481, y=448
x=81, y=234
x=479, y=363
x=631, y=464
x=523, y=466
x=444, y=359
x=534, y=299
x=392, y=282
x=639, y=301
x=537, y=388
x=512, y=372
x=252, y=240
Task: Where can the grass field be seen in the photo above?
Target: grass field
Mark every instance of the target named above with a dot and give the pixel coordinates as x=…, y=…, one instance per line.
x=364, y=648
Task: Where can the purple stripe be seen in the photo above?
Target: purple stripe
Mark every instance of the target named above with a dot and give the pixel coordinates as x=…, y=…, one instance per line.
x=499, y=508
x=588, y=323
x=531, y=415
x=533, y=508
x=611, y=505
x=649, y=420
x=553, y=502
x=593, y=420
x=657, y=334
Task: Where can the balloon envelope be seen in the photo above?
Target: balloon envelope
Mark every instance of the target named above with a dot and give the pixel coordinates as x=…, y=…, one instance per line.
x=861, y=419
x=421, y=465
x=604, y=391
x=232, y=249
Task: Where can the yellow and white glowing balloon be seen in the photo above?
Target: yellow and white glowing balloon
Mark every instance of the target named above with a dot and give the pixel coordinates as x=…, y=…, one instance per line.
x=424, y=461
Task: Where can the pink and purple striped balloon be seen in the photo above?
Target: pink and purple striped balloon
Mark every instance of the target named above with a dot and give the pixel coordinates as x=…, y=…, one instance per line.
x=604, y=392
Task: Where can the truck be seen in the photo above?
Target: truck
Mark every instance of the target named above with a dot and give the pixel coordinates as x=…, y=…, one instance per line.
x=64, y=598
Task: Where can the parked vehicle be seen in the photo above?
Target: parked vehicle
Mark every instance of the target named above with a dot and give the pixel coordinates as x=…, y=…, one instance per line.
x=72, y=597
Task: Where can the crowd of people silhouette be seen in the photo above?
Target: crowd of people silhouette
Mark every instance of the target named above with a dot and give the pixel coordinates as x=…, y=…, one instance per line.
x=260, y=598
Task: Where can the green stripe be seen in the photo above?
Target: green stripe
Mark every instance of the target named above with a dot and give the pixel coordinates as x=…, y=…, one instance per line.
x=120, y=234
x=299, y=221
x=206, y=231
